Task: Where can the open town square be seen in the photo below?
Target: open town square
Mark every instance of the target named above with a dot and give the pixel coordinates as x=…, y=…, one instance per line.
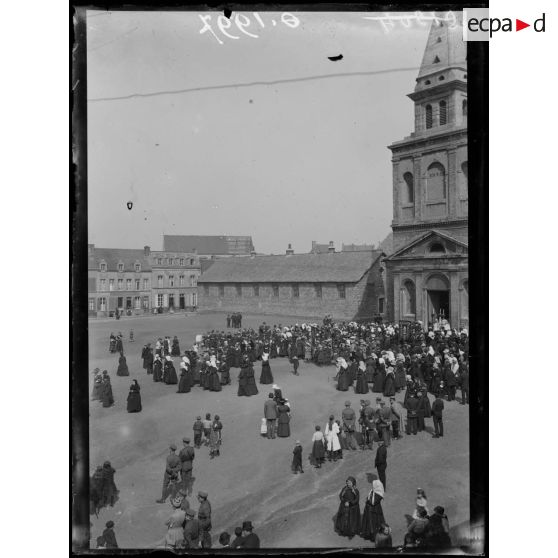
x=246, y=467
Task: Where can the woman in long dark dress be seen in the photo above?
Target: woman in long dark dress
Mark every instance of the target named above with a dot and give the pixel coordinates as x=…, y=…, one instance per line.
x=97, y=388
x=370, y=368
x=400, y=375
x=361, y=382
x=184, y=385
x=134, y=398
x=106, y=394
x=96, y=491
x=175, y=351
x=373, y=515
x=169, y=373
x=352, y=371
x=250, y=387
x=157, y=369
x=342, y=375
x=122, y=367
x=266, y=377
x=213, y=381
x=283, y=419
x=318, y=448
x=109, y=491
x=112, y=343
x=224, y=370
x=347, y=522
x=389, y=383
x=378, y=386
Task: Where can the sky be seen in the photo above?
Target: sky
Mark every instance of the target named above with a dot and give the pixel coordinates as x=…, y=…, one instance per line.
x=286, y=162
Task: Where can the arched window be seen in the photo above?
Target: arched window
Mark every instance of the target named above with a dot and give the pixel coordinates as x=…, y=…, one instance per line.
x=464, y=107
x=443, y=113
x=409, y=298
x=436, y=182
x=409, y=188
x=428, y=116
x=437, y=248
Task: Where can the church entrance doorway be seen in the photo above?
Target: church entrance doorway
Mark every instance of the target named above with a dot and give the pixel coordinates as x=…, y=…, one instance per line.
x=438, y=299
x=438, y=305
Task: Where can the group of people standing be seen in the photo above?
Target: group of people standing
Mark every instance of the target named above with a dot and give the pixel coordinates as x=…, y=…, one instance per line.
x=234, y=320
x=424, y=530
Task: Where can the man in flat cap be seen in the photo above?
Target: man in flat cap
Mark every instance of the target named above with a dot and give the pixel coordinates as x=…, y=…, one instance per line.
x=204, y=517
x=250, y=539
x=348, y=417
x=381, y=462
x=171, y=475
x=191, y=530
x=186, y=455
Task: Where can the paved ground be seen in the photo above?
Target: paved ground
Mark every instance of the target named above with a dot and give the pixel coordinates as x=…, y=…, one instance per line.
x=252, y=479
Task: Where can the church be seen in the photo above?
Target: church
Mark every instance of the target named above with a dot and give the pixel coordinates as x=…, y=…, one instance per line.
x=427, y=269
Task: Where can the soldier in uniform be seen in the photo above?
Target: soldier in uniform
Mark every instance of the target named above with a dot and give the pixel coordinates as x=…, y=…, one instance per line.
x=186, y=455
x=198, y=429
x=395, y=419
x=348, y=416
x=171, y=474
x=383, y=421
x=204, y=517
x=381, y=462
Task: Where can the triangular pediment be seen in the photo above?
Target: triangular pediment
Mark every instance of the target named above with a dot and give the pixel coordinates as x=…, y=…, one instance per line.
x=433, y=244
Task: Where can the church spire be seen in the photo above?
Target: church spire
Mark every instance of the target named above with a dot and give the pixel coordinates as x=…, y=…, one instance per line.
x=445, y=55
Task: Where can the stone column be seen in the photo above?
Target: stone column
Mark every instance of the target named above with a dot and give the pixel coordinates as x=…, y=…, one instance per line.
x=396, y=297
x=419, y=296
x=454, y=299
x=396, y=196
x=452, y=194
x=419, y=195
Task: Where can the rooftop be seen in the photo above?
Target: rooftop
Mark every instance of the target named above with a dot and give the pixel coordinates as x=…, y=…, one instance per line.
x=209, y=245
x=333, y=267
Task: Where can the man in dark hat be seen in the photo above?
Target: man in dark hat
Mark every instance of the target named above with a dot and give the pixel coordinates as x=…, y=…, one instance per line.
x=109, y=536
x=251, y=540
x=191, y=530
x=204, y=518
x=198, y=429
x=437, y=410
x=395, y=419
x=348, y=417
x=171, y=474
x=412, y=415
x=186, y=456
x=381, y=462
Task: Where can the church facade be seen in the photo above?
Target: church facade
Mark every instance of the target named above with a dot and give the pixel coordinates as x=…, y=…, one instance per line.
x=427, y=272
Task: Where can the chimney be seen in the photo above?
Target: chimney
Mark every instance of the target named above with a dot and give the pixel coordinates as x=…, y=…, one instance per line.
x=146, y=250
x=331, y=247
x=313, y=246
x=289, y=251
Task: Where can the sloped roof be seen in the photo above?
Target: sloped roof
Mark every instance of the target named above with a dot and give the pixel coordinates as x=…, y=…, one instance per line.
x=336, y=267
x=112, y=256
x=356, y=247
x=211, y=245
x=319, y=248
x=444, y=49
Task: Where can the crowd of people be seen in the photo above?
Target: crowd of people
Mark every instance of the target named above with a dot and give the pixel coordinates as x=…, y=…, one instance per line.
x=369, y=357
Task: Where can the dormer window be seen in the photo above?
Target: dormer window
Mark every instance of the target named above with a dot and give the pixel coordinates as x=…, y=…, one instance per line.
x=120, y=267
x=170, y=261
x=137, y=267
x=103, y=266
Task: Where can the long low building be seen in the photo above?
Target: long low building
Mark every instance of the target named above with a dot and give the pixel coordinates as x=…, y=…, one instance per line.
x=346, y=285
